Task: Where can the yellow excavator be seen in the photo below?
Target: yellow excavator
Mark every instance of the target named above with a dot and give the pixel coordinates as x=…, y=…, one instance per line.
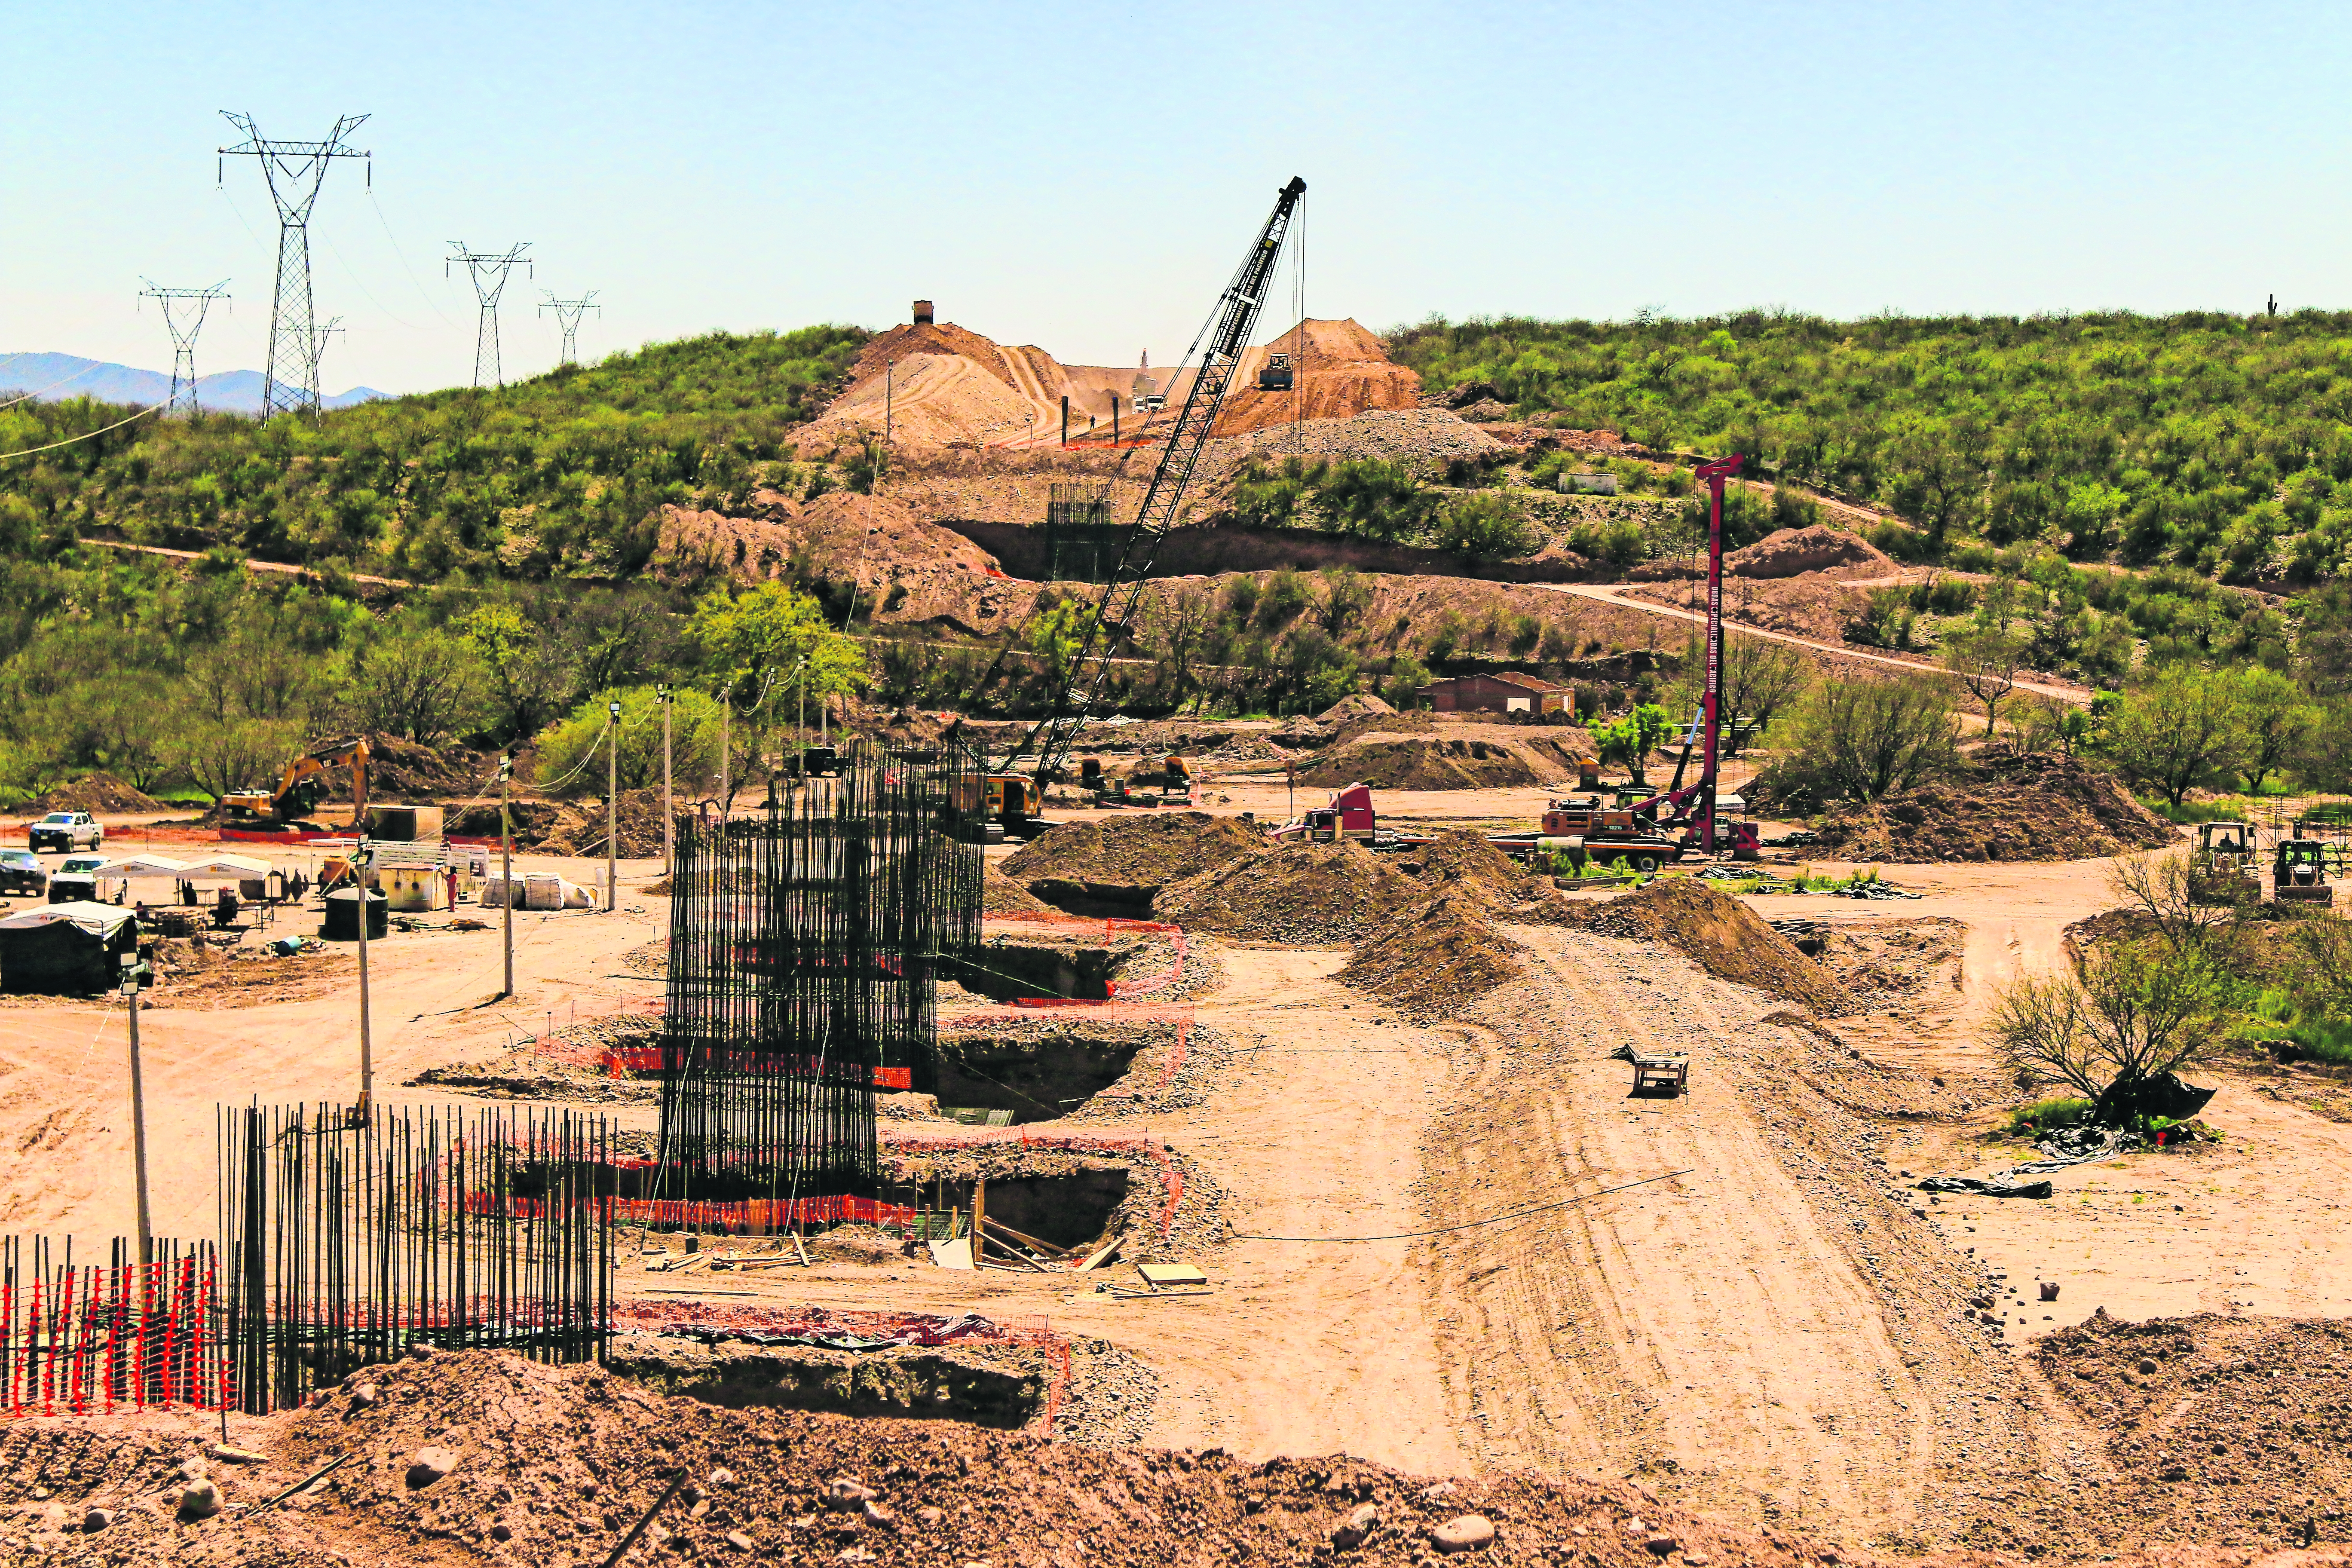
x=303, y=785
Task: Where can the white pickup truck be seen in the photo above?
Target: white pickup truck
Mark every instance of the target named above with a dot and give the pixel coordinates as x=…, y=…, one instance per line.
x=65, y=832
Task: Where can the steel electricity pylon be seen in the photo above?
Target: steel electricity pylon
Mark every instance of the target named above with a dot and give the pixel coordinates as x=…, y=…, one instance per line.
x=489, y=272
x=294, y=171
x=183, y=318
x=318, y=337
x=567, y=316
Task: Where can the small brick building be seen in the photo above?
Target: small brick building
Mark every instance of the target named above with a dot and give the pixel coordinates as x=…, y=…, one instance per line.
x=1508, y=693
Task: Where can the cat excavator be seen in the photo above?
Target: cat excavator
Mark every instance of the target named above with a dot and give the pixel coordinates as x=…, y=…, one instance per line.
x=302, y=787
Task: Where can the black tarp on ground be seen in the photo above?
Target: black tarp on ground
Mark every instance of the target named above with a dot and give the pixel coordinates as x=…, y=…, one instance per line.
x=75, y=951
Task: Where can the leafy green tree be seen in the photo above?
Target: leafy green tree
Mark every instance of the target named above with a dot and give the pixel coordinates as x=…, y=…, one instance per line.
x=2178, y=730
x=418, y=682
x=1486, y=526
x=1378, y=500
x=221, y=756
x=572, y=759
x=1401, y=687
x=1266, y=497
x=526, y=671
x=770, y=638
x=1986, y=658
x=1346, y=596
x=2272, y=715
x=1862, y=740
x=1627, y=742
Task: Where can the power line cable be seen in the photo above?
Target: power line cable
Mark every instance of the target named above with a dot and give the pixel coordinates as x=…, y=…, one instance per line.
x=84, y=437
x=1472, y=1225
x=402, y=257
x=77, y=375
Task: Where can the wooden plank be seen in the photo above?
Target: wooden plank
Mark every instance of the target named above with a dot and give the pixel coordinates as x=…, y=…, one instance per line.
x=1102, y=1254
x=1158, y=1274
x=1029, y=1241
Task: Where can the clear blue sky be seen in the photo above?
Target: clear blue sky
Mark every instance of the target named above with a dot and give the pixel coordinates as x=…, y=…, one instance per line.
x=1084, y=179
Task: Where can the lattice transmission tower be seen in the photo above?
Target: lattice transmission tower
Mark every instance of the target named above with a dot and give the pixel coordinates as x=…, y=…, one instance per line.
x=294, y=171
x=567, y=316
x=489, y=272
x=183, y=318
x=319, y=336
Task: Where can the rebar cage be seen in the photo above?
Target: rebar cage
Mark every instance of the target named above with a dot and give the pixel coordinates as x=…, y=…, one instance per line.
x=347, y=1238
x=805, y=942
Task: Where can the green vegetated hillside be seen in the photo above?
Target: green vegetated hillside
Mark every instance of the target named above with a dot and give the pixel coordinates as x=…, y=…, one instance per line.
x=558, y=475
x=2222, y=444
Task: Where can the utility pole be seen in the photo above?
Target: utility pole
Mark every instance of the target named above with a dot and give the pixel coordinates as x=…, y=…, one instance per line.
x=488, y=271
x=1066, y=422
x=1714, y=474
x=184, y=327
x=726, y=756
x=669, y=818
x=800, y=717
x=294, y=171
x=567, y=317
x=361, y=855
x=505, y=867
x=612, y=806
x=890, y=384
x=137, y=1109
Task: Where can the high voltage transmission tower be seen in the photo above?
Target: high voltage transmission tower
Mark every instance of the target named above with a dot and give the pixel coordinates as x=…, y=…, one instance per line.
x=294, y=171
x=567, y=316
x=318, y=337
x=183, y=318
x=489, y=272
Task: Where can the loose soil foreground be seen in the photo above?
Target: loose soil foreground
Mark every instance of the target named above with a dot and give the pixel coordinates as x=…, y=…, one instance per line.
x=1439, y=1237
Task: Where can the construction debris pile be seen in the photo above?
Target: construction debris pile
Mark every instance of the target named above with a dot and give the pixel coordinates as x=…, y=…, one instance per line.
x=99, y=793
x=480, y=1453
x=2009, y=807
x=1721, y=935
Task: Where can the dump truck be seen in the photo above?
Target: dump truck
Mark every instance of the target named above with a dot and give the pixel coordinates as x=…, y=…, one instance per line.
x=1347, y=818
x=2299, y=872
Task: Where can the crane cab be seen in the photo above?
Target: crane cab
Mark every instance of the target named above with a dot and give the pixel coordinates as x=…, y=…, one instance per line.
x=1275, y=375
x=1014, y=801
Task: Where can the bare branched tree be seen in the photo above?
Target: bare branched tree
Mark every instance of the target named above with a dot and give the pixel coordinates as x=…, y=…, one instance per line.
x=2159, y=885
x=2135, y=1013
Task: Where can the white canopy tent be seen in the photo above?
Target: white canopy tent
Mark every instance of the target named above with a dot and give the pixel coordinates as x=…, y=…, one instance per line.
x=99, y=919
x=146, y=866
x=235, y=867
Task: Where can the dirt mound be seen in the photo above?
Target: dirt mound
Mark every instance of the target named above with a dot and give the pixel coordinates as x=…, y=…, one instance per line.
x=1338, y=370
x=1718, y=933
x=100, y=794
x=906, y=570
x=1497, y=885
x=1362, y=705
x=2007, y=807
x=1434, y=959
x=556, y=1464
x=569, y=827
x=403, y=770
x=1792, y=551
x=1314, y=895
x=1425, y=439
x=1137, y=852
x=2250, y=1414
x=1001, y=895
x=1386, y=759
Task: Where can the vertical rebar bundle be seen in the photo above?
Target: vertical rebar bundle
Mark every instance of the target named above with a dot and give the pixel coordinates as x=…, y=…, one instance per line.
x=345, y=1241
x=805, y=945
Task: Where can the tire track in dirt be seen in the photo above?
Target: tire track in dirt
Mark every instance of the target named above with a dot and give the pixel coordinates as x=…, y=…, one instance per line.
x=1771, y=1336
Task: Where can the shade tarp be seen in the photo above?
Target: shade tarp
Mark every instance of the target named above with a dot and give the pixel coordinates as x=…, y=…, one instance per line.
x=97, y=920
x=243, y=867
x=147, y=866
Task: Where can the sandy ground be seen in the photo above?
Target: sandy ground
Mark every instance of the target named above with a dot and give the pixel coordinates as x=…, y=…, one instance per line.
x=1776, y=1333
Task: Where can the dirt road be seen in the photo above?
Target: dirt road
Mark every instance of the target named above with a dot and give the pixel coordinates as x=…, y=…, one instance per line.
x=1768, y=1334
x=2079, y=696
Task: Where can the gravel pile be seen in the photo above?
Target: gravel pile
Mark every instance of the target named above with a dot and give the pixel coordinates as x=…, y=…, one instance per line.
x=1312, y=895
x=1424, y=438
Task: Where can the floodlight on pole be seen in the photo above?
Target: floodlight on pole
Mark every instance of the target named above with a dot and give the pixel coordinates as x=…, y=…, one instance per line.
x=294, y=171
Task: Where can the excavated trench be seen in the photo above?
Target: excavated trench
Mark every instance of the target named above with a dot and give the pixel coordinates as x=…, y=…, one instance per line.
x=987, y=1385
x=1005, y=971
x=1037, y=1076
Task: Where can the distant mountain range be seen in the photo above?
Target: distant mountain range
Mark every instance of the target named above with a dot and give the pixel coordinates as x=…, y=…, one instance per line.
x=57, y=376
